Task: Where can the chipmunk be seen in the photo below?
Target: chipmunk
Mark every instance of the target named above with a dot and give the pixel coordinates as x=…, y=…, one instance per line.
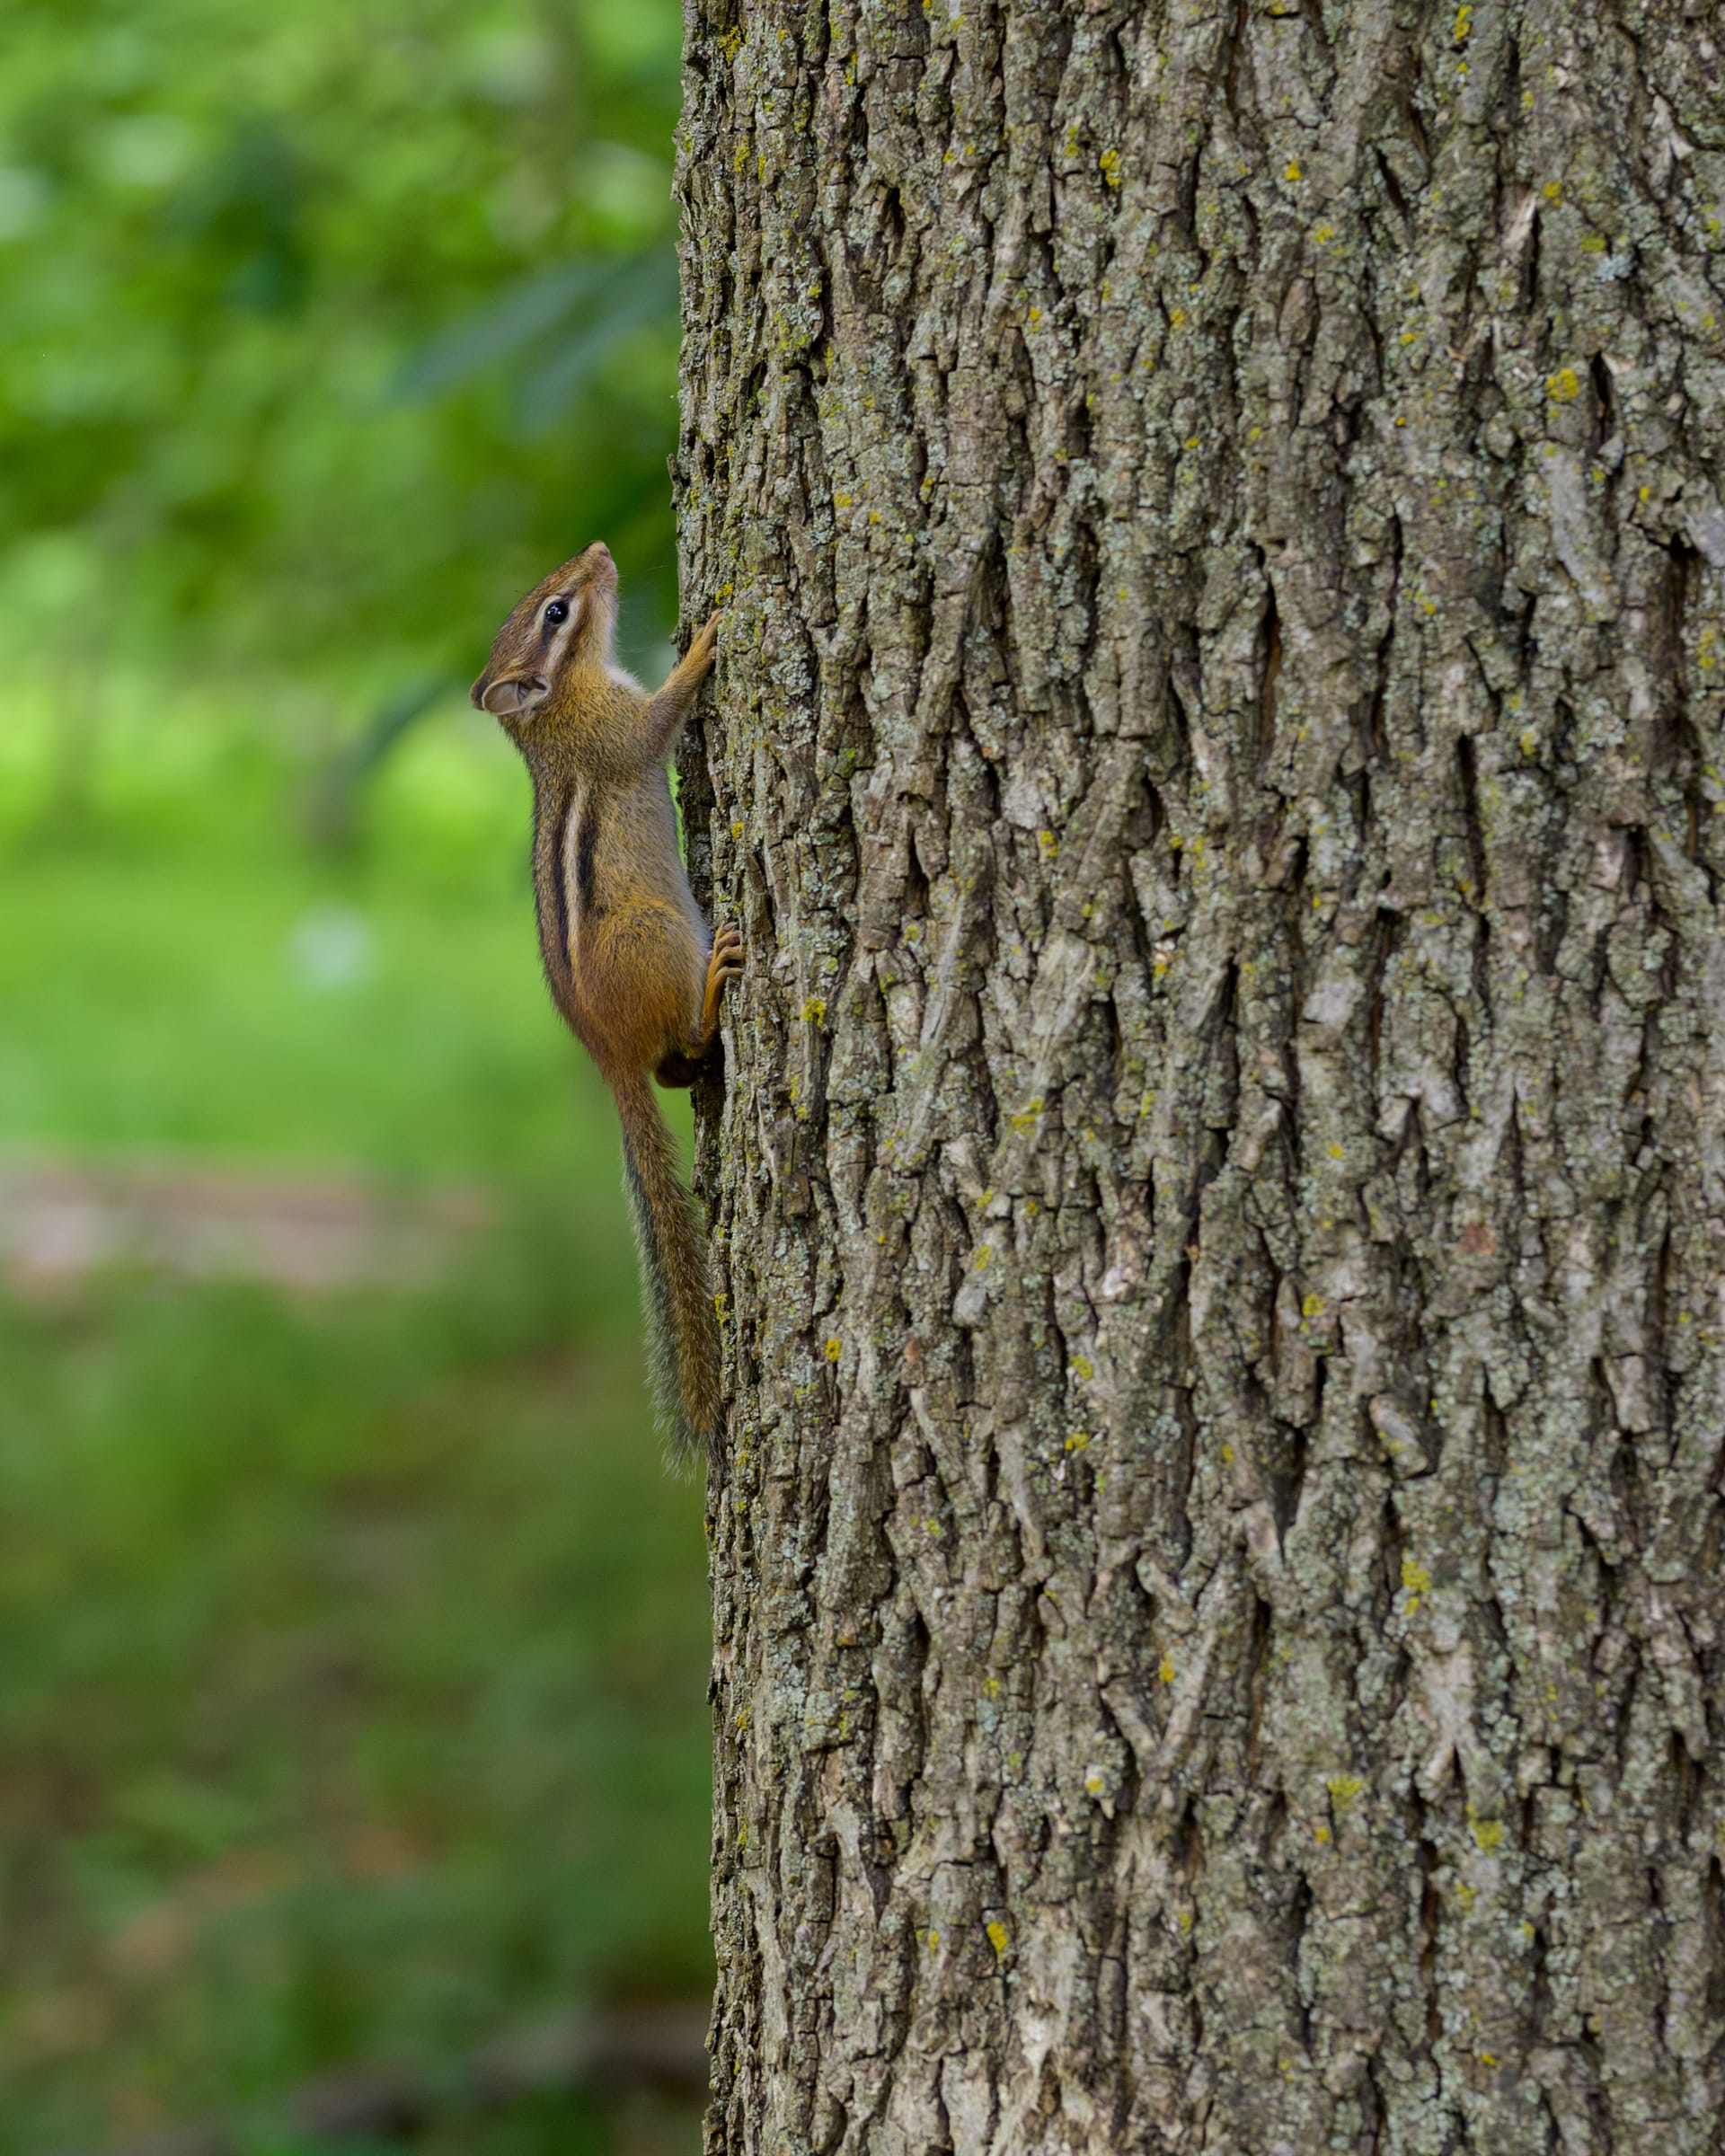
x=626, y=951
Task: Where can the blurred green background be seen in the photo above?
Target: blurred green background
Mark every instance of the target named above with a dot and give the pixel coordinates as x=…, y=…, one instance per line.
x=351, y=1704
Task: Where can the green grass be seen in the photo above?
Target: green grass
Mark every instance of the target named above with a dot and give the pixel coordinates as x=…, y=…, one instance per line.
x=189, y=973
x=352, y=1706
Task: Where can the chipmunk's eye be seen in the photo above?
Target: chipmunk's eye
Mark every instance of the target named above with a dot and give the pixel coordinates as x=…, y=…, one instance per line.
x=558, y=610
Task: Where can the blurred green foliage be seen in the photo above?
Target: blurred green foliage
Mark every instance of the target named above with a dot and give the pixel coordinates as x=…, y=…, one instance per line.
x=330, y=325
x=352, y=1708
x=352, y=1705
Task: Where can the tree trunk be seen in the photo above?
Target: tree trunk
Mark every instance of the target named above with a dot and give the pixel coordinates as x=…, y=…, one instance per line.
x=1218, y=1189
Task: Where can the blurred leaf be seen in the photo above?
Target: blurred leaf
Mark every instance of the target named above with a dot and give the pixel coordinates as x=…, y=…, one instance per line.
x=537, y=307
x=335, y=800
x=560, y=327
x=642, y=292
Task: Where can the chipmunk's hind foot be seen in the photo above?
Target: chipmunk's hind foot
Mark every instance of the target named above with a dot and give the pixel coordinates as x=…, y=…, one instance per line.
x=724, y=966
x=683, y=1066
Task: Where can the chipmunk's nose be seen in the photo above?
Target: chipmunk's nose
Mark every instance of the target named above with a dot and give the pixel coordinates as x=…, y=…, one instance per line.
x=598, y=552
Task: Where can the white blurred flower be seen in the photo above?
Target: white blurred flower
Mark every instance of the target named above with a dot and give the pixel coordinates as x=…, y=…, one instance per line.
x=332, y=948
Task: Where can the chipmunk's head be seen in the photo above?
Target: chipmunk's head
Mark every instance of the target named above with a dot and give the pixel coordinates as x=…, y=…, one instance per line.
x=562, y=625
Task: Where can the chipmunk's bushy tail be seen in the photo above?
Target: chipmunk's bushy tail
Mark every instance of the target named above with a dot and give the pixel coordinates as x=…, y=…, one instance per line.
x=682, y=1326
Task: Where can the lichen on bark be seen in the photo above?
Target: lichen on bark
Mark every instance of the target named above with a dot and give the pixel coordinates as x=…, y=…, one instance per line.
x=1217, y=1195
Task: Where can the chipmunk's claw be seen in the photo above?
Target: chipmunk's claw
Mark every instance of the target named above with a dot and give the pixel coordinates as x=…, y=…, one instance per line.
x=727, y=959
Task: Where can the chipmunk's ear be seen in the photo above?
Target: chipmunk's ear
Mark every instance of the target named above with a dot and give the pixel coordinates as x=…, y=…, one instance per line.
x=509, y=695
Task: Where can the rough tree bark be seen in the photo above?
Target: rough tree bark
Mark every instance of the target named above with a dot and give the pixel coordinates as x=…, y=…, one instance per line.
x=1216, y=757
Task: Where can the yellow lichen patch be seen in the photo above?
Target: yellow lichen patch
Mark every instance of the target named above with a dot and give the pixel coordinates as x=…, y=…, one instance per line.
x=1109, y=162
x=1488, y=1834
x=1025, y=1121
x=1078, y=1441
x=1312, y=1307
x=722, y=1306
x=1416, y=1582
x=1463, y=23
x=998, y=1936
x=1322, y=236
x=1553, y=190
x=1083, y=1368
x=1293, y=171
x=814, y=1010
x=981, y=1261
x=1344, y=1791
x=834, y=1348
x=1166, y=1672
x=1564, y=386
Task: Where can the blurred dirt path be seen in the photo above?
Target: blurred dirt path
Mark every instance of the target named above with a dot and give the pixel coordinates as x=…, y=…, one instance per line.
x=63, y=1220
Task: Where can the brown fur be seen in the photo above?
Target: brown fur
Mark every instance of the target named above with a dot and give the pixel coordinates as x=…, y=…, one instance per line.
x=626, y=951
